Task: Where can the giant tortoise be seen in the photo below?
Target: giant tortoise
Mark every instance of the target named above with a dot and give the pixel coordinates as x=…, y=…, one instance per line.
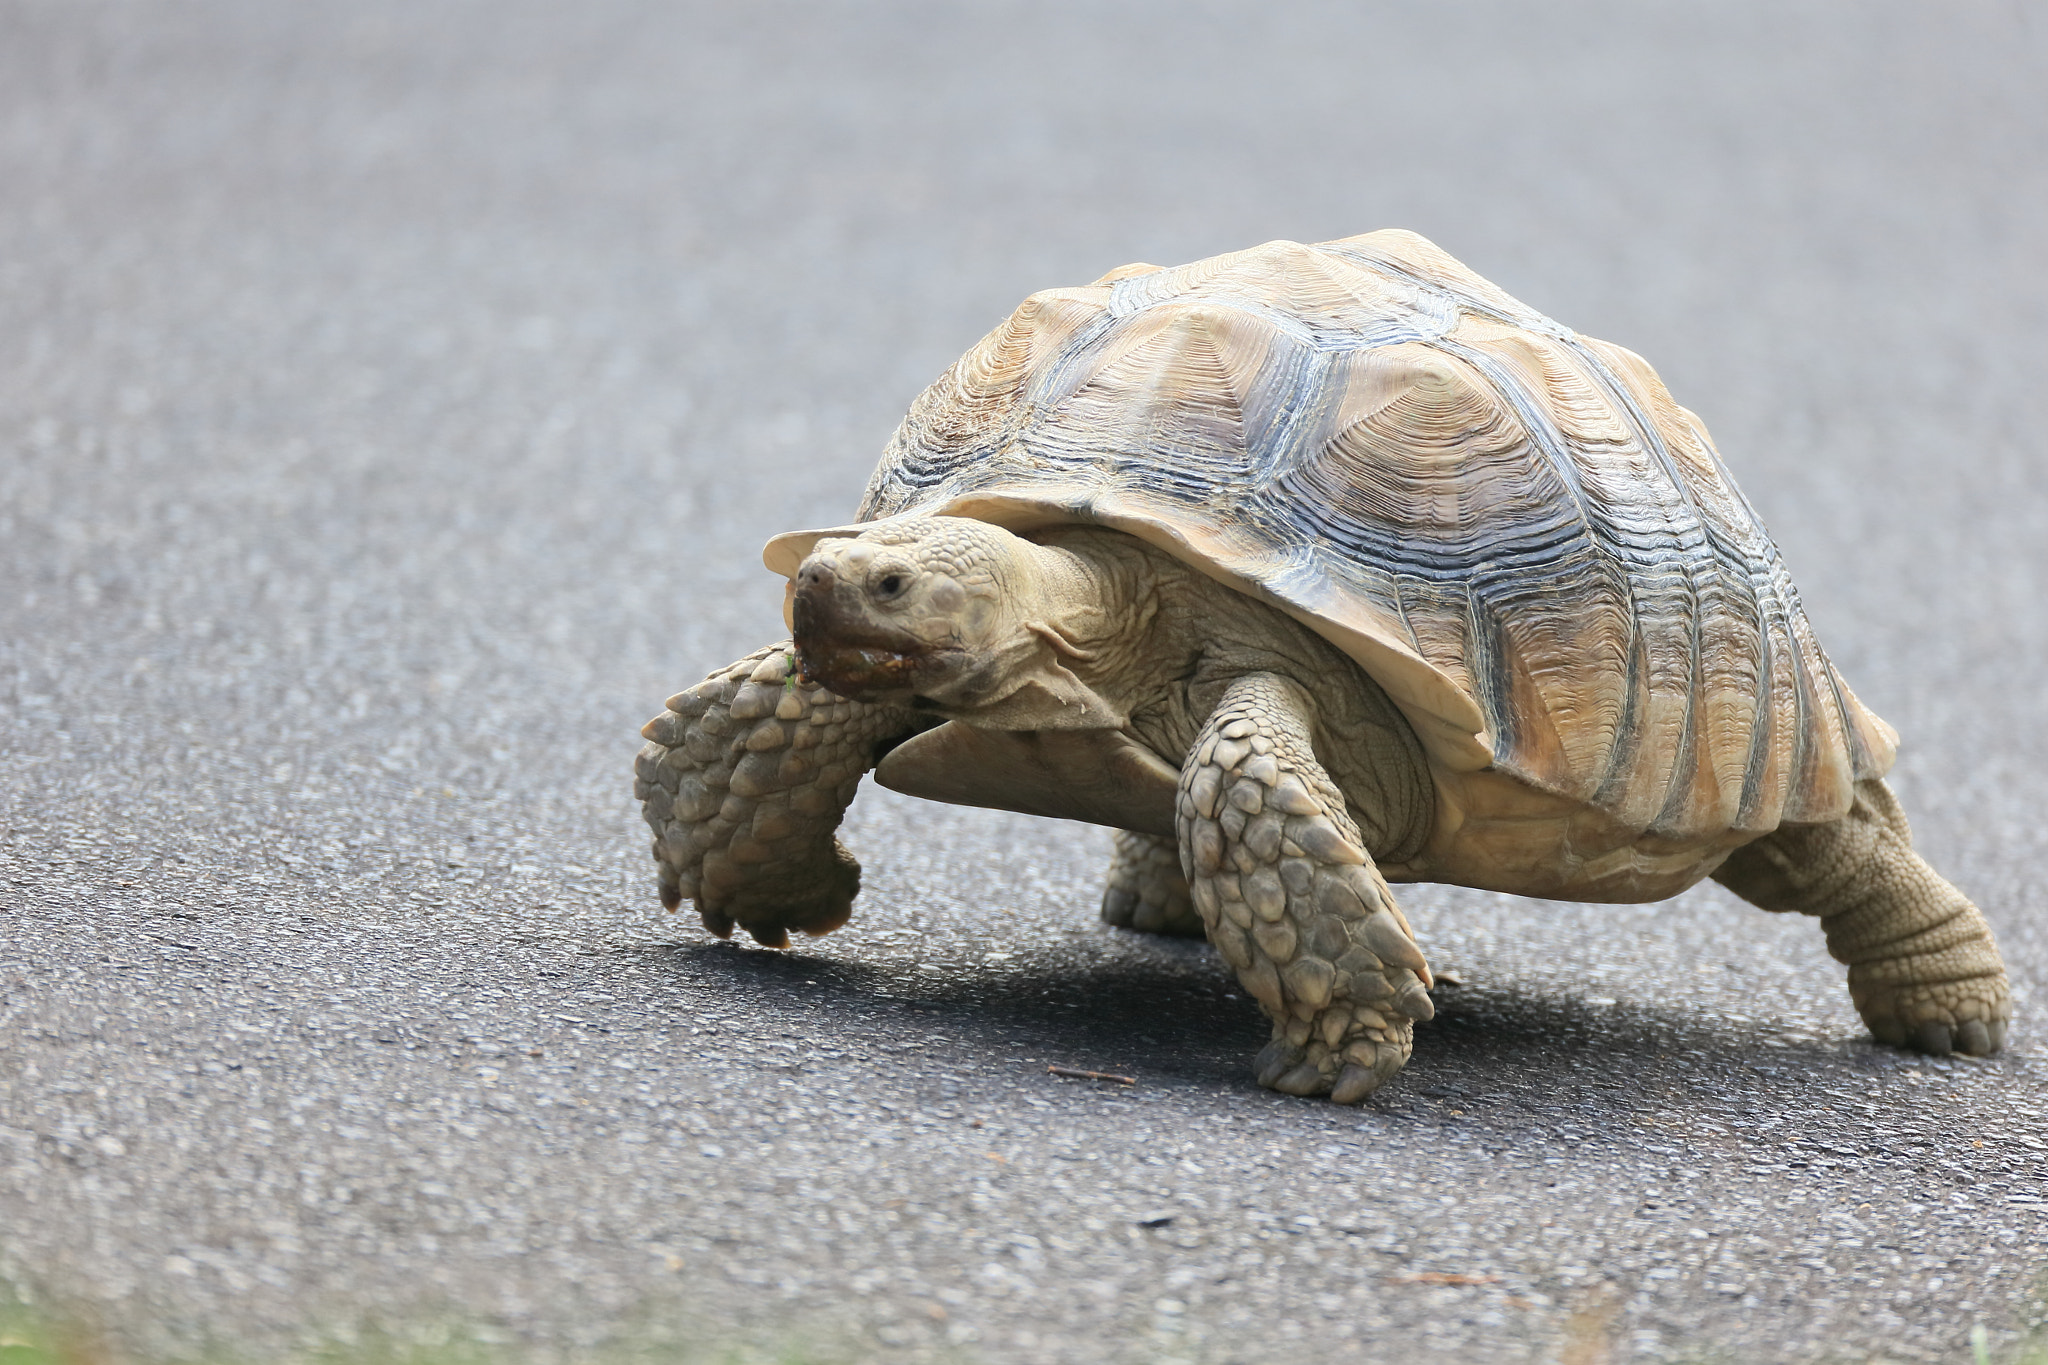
x=1309, y=569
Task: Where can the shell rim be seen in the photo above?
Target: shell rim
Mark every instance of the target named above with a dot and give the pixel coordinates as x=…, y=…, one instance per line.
x=1447, y=720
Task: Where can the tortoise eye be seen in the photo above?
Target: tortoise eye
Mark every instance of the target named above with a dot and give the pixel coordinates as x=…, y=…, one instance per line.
x=890, y=585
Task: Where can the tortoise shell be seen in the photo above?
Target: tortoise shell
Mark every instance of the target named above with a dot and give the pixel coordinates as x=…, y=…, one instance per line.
x=1513, y=528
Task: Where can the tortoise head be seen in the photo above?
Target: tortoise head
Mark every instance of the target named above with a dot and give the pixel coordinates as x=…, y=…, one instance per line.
x=944, y=614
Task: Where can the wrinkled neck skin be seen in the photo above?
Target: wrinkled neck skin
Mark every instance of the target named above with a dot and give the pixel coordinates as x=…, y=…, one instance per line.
x=1164, y=640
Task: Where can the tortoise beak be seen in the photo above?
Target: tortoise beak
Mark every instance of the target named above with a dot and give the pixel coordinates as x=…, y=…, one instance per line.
x=841, y=647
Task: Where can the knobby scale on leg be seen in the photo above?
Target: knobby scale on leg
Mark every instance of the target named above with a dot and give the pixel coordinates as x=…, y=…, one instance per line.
x=743, y=780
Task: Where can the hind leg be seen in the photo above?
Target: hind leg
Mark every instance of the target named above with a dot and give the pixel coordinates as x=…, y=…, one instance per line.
x=1147, y=890
x=743, y=779
x=1923, y=970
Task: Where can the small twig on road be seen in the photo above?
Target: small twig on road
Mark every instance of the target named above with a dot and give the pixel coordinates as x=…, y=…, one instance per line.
x=1442, y=1277
x=1079, y=1075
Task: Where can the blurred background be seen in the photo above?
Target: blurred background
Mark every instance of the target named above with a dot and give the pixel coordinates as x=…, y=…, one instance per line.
x=394, y=398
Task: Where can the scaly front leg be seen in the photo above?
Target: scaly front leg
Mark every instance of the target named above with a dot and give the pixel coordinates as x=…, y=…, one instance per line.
x=744, y=779
x=1293, y=901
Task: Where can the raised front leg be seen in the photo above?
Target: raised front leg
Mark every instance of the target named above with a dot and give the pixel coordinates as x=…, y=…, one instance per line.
x=1923, y=970
x=744, y=779
x=1147, y=890
x=1292, y=900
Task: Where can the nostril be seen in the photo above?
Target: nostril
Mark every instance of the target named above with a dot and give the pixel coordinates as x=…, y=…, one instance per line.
x=815, y=575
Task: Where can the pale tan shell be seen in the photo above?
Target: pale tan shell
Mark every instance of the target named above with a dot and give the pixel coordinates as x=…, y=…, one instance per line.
x=1513, y=528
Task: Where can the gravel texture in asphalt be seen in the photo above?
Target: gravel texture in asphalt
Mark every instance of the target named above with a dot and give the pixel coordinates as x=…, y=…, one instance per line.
x=393, y=401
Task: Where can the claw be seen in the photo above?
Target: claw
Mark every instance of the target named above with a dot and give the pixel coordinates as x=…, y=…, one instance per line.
x=1354, y=1083
x=1118, y=906
x=1974, y=1039
x=1932, y=1038
x=1275, y=1060
x=1414, y=1002
x=769, y=935
x=832, y=919
x=718, y=923
x=1303, y=1080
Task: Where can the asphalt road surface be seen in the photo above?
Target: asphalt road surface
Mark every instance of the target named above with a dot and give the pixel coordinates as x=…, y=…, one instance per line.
x=393, y=400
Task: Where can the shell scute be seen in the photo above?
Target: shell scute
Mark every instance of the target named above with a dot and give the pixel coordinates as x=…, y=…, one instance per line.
x=1409, y=255
x=1173, y=386
x=980, y=396
x=1322, y=298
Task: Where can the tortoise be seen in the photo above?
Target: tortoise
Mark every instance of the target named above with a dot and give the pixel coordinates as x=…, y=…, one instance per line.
x=1308, y=569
